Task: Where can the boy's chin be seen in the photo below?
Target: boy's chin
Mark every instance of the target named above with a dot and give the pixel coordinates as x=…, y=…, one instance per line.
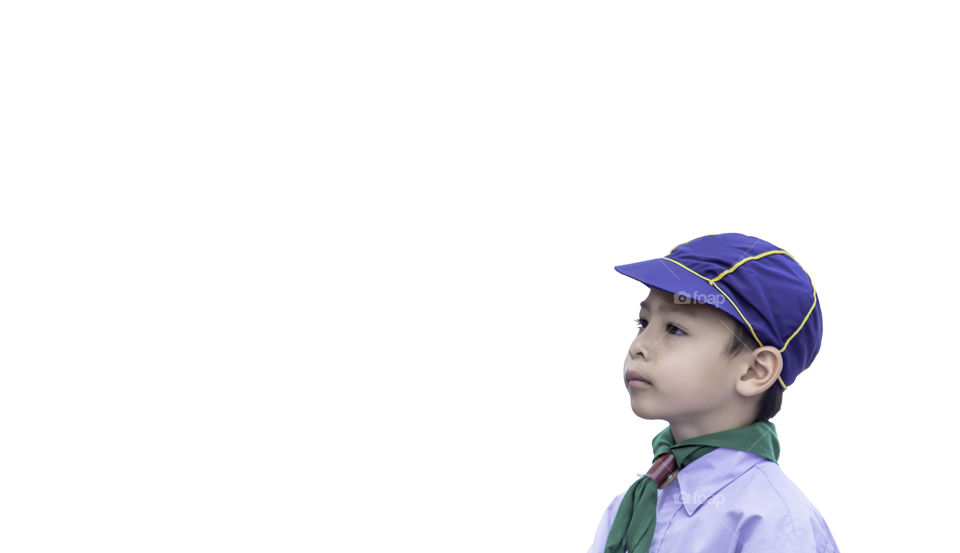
x=645, y=413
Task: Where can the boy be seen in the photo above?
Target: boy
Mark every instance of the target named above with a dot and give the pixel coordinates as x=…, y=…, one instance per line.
x=729, y=323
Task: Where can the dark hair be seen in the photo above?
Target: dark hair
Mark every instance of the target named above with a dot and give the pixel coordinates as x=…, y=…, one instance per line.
x=742, y=340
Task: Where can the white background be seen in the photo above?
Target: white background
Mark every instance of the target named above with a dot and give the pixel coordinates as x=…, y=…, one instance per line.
x=284, y=276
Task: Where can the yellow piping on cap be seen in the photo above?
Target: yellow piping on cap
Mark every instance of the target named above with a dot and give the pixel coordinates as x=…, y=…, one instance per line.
x=751, y=258
x=803, y=322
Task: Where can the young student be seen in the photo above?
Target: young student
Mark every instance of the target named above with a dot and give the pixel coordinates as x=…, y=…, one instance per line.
x=729, y=323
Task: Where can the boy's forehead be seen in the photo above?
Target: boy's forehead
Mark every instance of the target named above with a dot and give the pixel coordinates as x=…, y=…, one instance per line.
x=660, y=300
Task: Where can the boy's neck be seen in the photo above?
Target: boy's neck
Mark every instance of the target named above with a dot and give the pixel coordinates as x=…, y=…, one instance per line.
x=693, y=428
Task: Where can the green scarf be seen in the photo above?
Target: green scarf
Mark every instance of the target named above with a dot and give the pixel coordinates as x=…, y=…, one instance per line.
x=633, y=527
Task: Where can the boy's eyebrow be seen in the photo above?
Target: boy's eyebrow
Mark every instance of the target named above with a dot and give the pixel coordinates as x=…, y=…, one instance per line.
x=667, y=307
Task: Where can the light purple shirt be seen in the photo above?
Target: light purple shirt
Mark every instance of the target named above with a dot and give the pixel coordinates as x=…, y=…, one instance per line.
x=731, y=501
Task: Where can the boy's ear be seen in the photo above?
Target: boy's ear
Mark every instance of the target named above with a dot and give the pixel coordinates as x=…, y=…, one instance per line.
x=763, y=371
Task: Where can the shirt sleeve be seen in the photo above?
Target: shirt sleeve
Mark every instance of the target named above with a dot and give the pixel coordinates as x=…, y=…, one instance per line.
x=787, y=523
x=603, y=529
x=792, y=544
x=808, y=539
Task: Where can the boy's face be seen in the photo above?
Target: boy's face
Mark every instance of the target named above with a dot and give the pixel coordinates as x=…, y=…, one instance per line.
x=679, y=350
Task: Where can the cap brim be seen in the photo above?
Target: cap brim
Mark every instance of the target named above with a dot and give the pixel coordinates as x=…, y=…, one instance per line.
x=672, y=278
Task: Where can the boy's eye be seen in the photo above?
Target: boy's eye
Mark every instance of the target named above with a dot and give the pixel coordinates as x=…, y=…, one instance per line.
x=642, y=323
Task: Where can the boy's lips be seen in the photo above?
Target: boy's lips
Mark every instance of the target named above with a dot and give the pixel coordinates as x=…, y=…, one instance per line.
x=637, y=379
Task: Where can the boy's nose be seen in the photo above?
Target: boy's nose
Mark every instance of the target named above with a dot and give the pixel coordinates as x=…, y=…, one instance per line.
x=640, y=347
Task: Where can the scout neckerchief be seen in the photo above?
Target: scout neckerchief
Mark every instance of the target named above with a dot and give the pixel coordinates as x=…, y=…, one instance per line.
x=633, y=527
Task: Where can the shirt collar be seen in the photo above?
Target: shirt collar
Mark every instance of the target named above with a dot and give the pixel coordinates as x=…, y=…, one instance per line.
x=707, y=475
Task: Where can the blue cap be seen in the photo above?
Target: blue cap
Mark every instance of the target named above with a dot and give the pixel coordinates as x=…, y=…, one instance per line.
x=751, y=280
